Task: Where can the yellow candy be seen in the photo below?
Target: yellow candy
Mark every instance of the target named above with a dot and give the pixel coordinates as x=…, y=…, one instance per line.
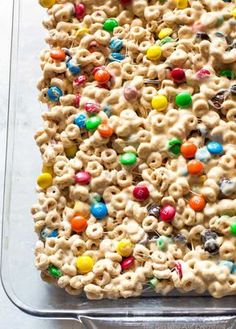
x=202, y=179
x=82, y=31
x=165, y=33
x=124, y=248
x=159, y=102
x=154, y=52
x=48, y=169
x=84, y=264
x=182, y=4
x=82, y=208
x=233, y=12
x=44, y=180
x=47, y=3
x=71, y=151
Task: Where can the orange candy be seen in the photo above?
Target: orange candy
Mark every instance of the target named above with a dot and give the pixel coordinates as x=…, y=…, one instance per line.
x=188, y=150
x=58, y=54
x=105, y=130
x=195, y=167
x=197, y=202
x=102, y=76
x=78, y=223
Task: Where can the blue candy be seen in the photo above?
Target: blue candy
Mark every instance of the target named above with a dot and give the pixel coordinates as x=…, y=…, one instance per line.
x=116, y=57
x=72, y=67
x=80, y=120
x=54, y=93
x=234, y=269
x=99, y=210
x=107, y=110
x=215, y=148
x=202, y=154
x=48, y=233
x=228, y=264
x=116, y=44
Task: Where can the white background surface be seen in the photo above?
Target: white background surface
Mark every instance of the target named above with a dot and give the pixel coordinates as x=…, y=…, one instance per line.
x=10, y=316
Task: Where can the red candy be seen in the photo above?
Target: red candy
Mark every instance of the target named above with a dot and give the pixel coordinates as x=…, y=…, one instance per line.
x=77, y=100
x=178, y=268
x=80, y=10
x=83, y=178
x=203, y=74
x=141, y=192
x=80, y=80
x=178, y=75
x=92, y=108
x=167, y=213
x=127, y=263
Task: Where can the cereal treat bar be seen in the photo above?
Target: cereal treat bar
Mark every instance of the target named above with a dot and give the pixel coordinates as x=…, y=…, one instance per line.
x=138, y=185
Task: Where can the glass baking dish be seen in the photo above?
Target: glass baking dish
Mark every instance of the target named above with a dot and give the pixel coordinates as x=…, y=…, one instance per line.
x=20, y=279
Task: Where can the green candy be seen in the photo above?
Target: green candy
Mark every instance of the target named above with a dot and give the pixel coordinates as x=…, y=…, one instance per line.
x=165, y=40
x=110, y=24
x=128, y=159
x=233, y=229
x=162, y=242
x=183, y=100
x=54, y=271
x=93, y=122
x=227, y=73
x=174, y=146
x=153, y=282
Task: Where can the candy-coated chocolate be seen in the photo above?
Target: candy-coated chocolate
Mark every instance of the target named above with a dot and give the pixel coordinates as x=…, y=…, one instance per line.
x=233, y=228
x=47, y=3
x=58, y=54
x=92, y=123
x=92, y=108
x=54, y=94
x=159, y=102
x=124, y=248
x=105, y=130
x=85, y=264
x=127, y=263
x=116, y=44
x=82, y=177
x=183, y=100
x=130, y=93
x=188, y=150
x=167, y=213
x=71, y=151
x=54, y=271
x=178, y=75
x=102, y=76
x=203, y=154
x=128, y=159
x=72, y=67
x=44, y=180
x=110, y=24
x=154, y=53
x=78, y=223
x=215, y=148
x=165, y=32
x=80, y=10
x=80, y=120
x=174, y=146
x=195, y=167
x=99, y=210
x=141, y=193
x=197, y=202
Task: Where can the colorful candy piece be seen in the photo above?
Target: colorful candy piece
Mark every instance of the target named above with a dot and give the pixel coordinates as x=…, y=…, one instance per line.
x=72, y=67
x=92, y=123
x=154, y=53
x=80, y=120
x=195, y=167
x=159, y=103
x=102, y=76
x=58, y=54
x=44, y=180
x=153, y=282
x=110, y=24
x=182, y=4
x=174, y=146
x=178, y=75
x=99, y=210
x=78, y=223
x=92, y=108
x=233, y=228
x=188, y=150
x=203, y=154
x=47, y=3
x=167, y=213
x=105, y=130
x=85, y=264
x=183, y=100
x=131, y=94
x=80, y=10
x=124, y=248
x=116, y=44
x=127, y=263
x=128, y=159
x=162, y=242
x=215, y=148
x=83, y=177
x=48, y=233
x=54, y=93
x=54, y=271
x=116, y=57
x=165, y=32
x=71, y=151
x=197, y=202
x=141, y=193
x=154, y=210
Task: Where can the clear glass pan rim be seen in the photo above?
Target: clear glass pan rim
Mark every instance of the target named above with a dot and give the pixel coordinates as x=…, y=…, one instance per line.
x=138, y=307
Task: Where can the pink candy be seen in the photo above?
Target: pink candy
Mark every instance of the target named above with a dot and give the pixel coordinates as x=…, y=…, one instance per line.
x=127, y=263
x=92, y=108
x=80, y=80
x=203, y=74
x=83, y=178
x=167, y=213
